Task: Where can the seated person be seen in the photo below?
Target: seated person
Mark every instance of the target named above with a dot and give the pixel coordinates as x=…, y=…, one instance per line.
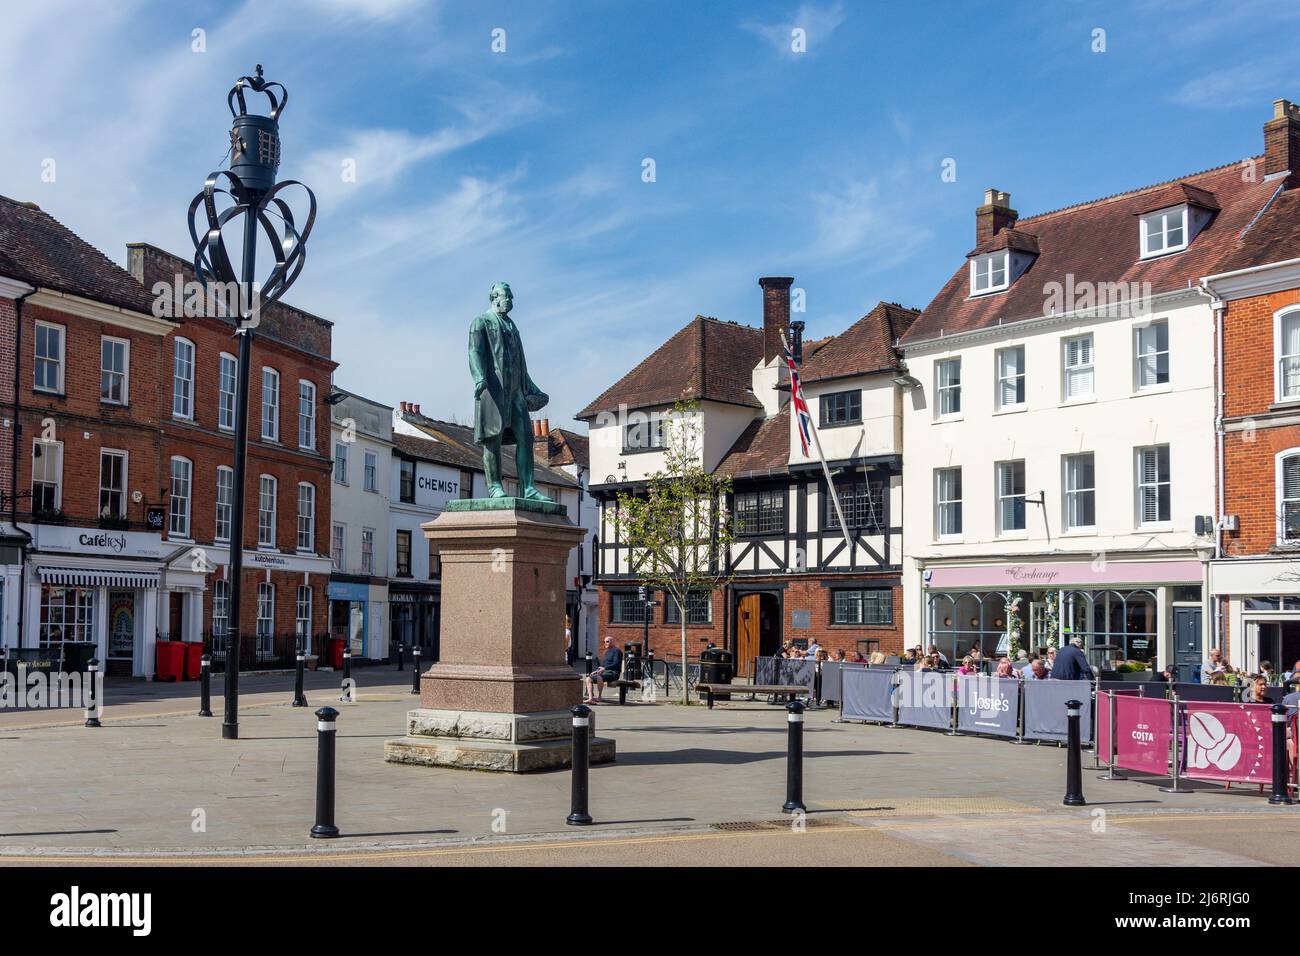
x=611, y=665
x=1037, y=670
x=967, y=666
x=1005, y=669
x=877, y=657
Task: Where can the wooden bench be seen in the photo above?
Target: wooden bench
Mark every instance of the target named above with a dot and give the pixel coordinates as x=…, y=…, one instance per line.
x=775, y=690
x=623, y=687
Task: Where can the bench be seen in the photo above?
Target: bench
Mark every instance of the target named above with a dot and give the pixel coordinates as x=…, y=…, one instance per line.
x=774, y=690
x=623, y=687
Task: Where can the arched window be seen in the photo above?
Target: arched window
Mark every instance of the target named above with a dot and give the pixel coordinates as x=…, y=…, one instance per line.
x=1287, y=494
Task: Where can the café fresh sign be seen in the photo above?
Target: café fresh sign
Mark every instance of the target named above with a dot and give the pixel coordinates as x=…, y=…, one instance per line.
x=95, y=542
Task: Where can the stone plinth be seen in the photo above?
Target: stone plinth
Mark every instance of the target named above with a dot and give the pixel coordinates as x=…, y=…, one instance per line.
x=499, y=696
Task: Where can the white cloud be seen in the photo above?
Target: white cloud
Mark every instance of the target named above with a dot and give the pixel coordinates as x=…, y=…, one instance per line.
x=859, y=220
x=817, y=22
x=1245, y=84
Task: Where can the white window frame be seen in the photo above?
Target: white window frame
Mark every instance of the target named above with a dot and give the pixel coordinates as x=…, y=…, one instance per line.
x=982, y=270
x=266, y=529
x=221, y=608
x=1090, y=367
x=340, y=446
x=942, y=391
x=46, y=448
x=182, y=386
x=226, y=397
x=306, y=522
x=180, y=529
x=125, y=456
x=270, y=409
x=228, y=506
x=1004, y=499
x=367, y=550
x=265, y=602
x=1282, y=358
x=1140, y=486
x=1070, y=495
x=60, y=363
x=1139, y=355
x=1279, y=495
x=301, y=621
x=1002, y=381
x=370, y=471
x=338, y=544
x=1164, y=216
x=941, y=503
x=307, y=419
x=125, y=373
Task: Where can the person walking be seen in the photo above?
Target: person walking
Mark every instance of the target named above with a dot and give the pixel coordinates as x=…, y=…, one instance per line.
x=1070, y=663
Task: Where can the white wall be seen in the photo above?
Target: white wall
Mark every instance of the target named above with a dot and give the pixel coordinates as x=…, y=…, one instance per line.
x=879, y=433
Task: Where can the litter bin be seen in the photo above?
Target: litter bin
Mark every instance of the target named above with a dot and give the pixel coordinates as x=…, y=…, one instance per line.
x=193, y=659
x=632, y=660
x=717, y=667
x=169, y=662
x=77, y=655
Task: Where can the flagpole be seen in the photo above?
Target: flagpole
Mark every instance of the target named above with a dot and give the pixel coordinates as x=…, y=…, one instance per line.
x=826, y=469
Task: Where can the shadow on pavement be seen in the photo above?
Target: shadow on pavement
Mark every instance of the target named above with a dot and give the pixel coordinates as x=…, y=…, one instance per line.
x=726, y=757
x=55, y=833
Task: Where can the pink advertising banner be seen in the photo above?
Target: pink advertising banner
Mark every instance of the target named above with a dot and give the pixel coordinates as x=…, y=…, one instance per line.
x=1228, y=741
x=1060, y=574
x=1144, y=728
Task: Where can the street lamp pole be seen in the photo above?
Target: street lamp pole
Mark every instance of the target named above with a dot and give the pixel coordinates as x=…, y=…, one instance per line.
x=250, y=191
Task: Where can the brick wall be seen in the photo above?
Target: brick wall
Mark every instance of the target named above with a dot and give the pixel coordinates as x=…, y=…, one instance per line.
x=800, y=593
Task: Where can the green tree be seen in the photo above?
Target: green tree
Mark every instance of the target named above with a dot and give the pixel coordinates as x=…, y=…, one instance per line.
x=676, y=526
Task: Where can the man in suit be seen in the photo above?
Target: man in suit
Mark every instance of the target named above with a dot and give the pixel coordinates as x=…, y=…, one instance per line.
x=1070, y=662
x=503, y=394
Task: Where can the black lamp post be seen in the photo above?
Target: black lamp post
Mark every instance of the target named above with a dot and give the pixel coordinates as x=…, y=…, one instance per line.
x=250, y=191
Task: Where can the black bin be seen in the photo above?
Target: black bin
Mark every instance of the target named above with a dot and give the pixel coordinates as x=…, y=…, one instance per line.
x=717, y=667
x=77, y=655
x=632, y=660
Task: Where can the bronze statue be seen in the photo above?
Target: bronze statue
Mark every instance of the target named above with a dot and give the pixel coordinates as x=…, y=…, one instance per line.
x=503, y=394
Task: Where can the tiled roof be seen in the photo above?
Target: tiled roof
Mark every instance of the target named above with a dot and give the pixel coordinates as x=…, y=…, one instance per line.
x=1009, y=238
x=1274, y=237
x=865, y=346
x=1097, y=242
x=564, y=447
x=452, y=444
x=762, y=448
x=707, y=360
x=37, y=249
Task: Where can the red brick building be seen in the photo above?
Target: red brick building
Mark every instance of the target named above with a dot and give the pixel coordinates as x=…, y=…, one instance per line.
x=116, y=440
x=287, y=497
x=1255, y=580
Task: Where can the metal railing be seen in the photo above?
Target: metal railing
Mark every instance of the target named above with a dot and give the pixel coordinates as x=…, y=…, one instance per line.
x=260, y=652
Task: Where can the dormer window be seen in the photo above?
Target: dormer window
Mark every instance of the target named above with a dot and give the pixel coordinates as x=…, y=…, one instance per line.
x=1164, y=231
x=989, y=273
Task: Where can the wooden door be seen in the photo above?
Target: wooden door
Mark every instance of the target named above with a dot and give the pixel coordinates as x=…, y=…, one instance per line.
x=747, y=633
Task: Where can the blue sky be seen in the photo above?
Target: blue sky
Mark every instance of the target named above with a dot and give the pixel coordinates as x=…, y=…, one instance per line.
x=474, y=166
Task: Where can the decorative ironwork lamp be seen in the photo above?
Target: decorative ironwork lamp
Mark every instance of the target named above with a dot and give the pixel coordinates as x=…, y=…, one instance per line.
x=246, y=195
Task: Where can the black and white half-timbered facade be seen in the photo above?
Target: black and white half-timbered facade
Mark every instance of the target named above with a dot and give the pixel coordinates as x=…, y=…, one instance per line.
x=794, y=577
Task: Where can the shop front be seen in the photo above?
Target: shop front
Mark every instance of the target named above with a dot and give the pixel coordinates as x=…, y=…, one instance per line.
x=1125, y=610
x=350, y=615
x=414, y=612
x=1258, y=605
x=92, y=592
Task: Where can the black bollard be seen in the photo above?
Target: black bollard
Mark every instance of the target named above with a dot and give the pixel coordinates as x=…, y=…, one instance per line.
x=401, y=654
x=578, y=815
x=205, y=686
x=299, y=698
x=415, y=669
x=1279, y=796
x=325, y=734
x=588, y=663
x=91, y=698
x=794, y=759
x=1073, y=766
x=347, y=673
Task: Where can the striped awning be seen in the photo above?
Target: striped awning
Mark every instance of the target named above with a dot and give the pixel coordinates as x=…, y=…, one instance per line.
x=85, y=577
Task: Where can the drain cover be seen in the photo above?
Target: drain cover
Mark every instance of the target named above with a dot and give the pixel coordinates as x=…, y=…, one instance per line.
x=750, y=826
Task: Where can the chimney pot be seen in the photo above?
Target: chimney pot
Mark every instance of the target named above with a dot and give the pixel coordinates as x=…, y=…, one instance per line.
x=417, y=409
x=995, y=215
x=1282, y=143
x=776, y=313
x=403, y=406
x=546, y=426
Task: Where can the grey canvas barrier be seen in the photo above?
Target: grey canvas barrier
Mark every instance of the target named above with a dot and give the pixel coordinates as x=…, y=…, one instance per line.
x=925, y=699
x=1044, y=703
x=868, y=694
x=779, y=670
x=831, y=682
x=988, y=705
x=1223, y=693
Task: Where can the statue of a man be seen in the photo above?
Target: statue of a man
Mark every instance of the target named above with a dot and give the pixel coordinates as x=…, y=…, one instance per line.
x=503, y=393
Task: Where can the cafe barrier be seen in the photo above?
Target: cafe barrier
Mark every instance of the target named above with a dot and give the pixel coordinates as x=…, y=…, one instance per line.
x=868, y=694
x=780, y=670
x=1044, y=708
x=925, y=699
x=988, y=705
x=832, y=684
x=1227, y=742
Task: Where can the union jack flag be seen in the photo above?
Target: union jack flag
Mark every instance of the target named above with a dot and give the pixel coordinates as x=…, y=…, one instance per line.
x=802, y=417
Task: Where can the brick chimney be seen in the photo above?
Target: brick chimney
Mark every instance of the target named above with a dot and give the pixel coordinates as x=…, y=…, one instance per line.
x=776, y=313
x=1282, y=142
x=995, y=215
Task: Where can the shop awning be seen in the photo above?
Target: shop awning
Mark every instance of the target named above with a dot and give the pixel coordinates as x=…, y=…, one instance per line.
x=85, y=577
